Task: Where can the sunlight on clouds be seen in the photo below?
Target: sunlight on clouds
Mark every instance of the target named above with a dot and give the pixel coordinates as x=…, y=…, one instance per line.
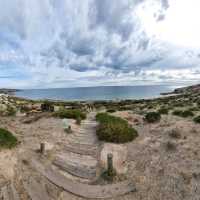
x=181, y=24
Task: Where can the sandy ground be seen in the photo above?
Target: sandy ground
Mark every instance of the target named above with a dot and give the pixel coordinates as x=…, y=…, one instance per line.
x=162, y=167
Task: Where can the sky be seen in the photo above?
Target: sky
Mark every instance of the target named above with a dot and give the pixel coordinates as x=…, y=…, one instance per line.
x=72, y=43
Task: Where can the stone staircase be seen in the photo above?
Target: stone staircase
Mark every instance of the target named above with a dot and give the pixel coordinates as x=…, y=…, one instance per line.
x=72, y=171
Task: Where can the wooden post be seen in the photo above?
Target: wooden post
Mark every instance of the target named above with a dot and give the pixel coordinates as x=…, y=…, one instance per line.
x=42, y=148
x=110, y=169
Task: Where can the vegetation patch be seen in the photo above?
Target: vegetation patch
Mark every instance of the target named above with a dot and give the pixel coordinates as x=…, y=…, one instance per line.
x=7, y=139
x=163, y=111
x=71, y=114
x=114, y=129
x=152, y=117
x=174, y=133
x=170, y=146
x=47, y=106
x=197, y=119
x=183, y=113
x=111, y=110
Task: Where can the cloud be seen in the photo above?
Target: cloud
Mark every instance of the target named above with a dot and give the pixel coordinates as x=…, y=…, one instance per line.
x=69, y=43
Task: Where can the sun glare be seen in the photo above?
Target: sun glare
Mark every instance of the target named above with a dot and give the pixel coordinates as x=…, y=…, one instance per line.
x=180, y=26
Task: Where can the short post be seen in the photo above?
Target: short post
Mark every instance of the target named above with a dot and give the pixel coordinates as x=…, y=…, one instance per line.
x=42, y=148
x=110, y=169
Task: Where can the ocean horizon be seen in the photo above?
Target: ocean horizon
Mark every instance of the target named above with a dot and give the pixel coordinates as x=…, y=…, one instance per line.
x=97, y=93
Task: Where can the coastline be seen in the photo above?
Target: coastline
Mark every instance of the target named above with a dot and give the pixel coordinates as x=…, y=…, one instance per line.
x=108, y=93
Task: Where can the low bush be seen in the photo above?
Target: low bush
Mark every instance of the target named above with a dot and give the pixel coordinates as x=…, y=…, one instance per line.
x=185, y=113
x=152, y=117
x=11, y=111
x=177, y=112
x=47, y=106
x=163, y=111
x=114, y=129
x=111, y=110
x=7, y=139
x=197, y=119
x=70, y=114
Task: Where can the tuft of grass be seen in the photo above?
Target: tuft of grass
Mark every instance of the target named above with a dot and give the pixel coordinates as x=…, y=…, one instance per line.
x=170, y=146
x=114, y=129
x=7, y=139
x=152, y=117
x=174, y=133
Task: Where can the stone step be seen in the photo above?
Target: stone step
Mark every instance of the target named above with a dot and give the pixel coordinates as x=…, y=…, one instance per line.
x=36, y=190
x=8, y=192
x=89, y=122
x=83, y=135
x=77, y=159
x=82, y=149
x=82, y=142
x=76, y=170
x=83, y=139
x=88, y=133
x=81, y=189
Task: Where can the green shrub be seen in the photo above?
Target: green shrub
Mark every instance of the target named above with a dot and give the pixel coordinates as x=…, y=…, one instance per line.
x=71, y=114
x=47, y=106
x=11, y=111
x=163, y=111
x=185, y=113
x=194, y=109
x=7, y=139
x=177, y=112
x=111, y=110
x=114, y=129
x=197, y=119
x=152, y=117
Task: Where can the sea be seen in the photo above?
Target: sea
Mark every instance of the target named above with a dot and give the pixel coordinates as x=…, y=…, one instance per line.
x=97, y=93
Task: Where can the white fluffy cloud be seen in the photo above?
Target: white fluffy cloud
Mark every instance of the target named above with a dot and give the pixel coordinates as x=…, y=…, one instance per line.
x=67, y=43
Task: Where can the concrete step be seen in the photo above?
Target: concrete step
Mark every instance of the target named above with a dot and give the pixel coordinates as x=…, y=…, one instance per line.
x=82, y=139
x=81, y=189
x=77, y=159
x=82, y=142
x=81, y=171
x=82, y=149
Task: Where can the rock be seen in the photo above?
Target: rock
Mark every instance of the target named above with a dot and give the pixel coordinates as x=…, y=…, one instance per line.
x=119, y=152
